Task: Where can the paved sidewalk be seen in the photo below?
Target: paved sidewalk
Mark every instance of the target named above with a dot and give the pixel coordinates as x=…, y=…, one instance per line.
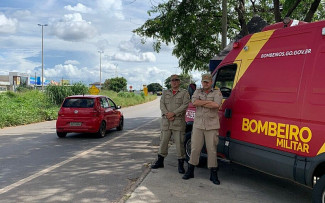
x=238, y=184
x=167, y=185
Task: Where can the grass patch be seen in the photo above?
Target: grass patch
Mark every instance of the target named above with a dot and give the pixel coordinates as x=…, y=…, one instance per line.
x=27, y=107
x=125, y=99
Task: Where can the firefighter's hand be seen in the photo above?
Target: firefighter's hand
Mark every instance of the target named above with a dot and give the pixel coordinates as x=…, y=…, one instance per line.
x=171, y=118
x=170, y=115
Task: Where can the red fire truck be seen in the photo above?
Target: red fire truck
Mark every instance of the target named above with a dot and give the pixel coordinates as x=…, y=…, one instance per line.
x=273, y=115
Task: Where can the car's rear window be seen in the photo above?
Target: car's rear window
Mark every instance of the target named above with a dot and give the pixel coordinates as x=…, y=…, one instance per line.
x=78, y=103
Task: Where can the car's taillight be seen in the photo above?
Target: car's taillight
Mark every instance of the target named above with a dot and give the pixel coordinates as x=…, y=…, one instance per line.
x=60, y=113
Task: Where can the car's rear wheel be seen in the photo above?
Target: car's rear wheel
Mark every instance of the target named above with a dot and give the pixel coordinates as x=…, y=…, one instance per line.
x=121, y=123
x=61, y=134
x=102, y=130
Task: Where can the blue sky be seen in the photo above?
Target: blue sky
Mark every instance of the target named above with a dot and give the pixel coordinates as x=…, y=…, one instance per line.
x=76, y=31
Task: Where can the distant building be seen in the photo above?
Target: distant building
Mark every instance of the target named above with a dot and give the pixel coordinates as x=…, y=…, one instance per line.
x=4, y=83
x=38, y=81
x=14, y=79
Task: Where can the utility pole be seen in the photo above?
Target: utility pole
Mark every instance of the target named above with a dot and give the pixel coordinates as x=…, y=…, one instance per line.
x=42, y=25
x=224, y=24
x=100, y=69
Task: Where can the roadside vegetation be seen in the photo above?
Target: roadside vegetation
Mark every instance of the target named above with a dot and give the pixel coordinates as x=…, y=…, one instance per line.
x=31, y=106
x=25, y=107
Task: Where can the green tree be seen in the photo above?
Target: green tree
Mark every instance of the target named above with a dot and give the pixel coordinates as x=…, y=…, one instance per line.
x=186, y=79
x=178, y=21
x=154, y=87
x=276, y=10
x=57, y=93
x=105, y=86
x=194, y=27
x=117, y=84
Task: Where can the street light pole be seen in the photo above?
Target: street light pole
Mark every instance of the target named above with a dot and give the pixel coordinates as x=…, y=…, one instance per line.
x=100, y=69
x=42, y=25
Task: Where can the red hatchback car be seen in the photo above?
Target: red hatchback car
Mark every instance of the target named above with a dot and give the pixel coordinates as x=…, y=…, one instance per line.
x=88, y=114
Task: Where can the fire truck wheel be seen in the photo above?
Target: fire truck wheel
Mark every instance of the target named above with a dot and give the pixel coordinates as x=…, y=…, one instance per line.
x=319, y=191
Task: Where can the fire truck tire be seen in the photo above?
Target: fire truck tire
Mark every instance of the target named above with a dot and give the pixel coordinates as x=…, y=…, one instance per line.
x=319, y=191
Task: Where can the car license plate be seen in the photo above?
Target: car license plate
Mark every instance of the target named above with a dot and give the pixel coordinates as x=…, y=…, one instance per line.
x=75, y=123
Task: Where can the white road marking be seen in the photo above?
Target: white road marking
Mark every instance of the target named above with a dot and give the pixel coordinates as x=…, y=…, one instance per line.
x=51, y=168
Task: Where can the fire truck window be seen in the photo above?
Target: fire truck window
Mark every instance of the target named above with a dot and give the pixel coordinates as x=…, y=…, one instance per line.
x=225, y=79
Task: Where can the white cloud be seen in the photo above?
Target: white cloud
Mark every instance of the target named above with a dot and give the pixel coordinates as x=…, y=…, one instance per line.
x=129, y=51
x=69, y=72
x=141, y=57
x=48, y=3
x=16, y=60
x=138, y=77
x=73, y=28
x=74, y=36
x=197, y=76
x=73, y=62
x=102, y=44
x=148, y=56
x=21, y=14
x=7, y=25
x=135, y=43
x=76, y=74
x=78, y=8
x=111, y=7
x=127, y=46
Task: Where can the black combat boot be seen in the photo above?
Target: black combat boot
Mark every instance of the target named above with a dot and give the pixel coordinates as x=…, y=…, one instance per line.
x=189, y=173
x=181, y=166
x=214, y=176
x=159, y=163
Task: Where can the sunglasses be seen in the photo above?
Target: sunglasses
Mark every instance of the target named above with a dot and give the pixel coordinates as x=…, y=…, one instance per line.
x=175, y=80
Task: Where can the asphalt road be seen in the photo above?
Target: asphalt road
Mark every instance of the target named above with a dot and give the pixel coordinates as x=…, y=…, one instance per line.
x=37, y=166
